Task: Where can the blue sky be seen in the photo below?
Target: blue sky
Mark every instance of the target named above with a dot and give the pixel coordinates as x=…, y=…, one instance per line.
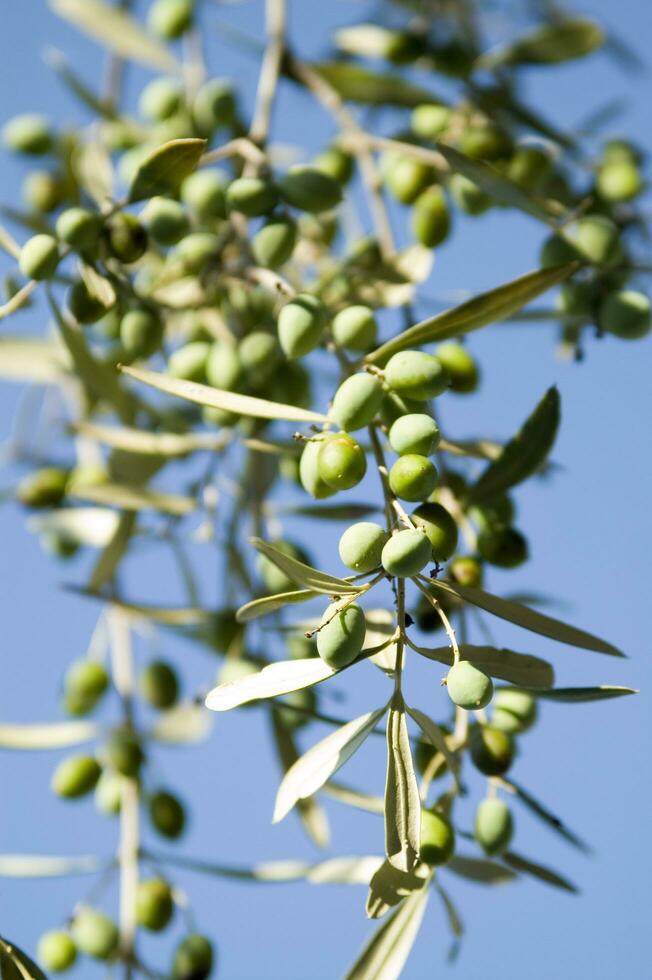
x=590, y=544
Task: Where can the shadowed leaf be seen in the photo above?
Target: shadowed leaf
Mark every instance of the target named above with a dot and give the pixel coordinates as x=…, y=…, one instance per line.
x=166, y=167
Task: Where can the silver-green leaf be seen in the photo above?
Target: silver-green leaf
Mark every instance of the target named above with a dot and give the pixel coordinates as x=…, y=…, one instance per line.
x=166, y=167
x=402, y=803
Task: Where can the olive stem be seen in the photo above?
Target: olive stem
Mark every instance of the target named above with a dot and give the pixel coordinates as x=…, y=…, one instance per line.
x=422, y=584
x=351, y=599
x=275, y=16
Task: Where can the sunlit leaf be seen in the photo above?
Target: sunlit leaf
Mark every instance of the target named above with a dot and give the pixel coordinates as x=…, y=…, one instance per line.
x=166, y=167
x=355, y=83
x=92, y=527
x=42, y=866
x=135, y=498
x=167, y=444
x=311, y=814
x=386, y=953
x=389, y=886
x=184, y=724
x=272, y=681
x=402, y=803
x=268, y=604
x=57, y=735
x=94, y=170
x=302, y=574
x=111, y=556
x=344, y=871
x=32, y=359
x=353, y=797
x=17, y=965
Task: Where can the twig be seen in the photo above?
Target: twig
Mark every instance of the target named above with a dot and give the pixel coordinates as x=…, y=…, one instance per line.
x=275, y=16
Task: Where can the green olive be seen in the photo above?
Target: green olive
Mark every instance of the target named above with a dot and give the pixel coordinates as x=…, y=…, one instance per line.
x=619, y=181
x=43, y=488
x=357, y=401
x=94, y=933
x=437, y=843
x=301, y=647
x=429, y=121
x=335, y=162
x=204, y=192
x=291, y=384
x=485, y=142
x=468, y=687
x=414, y=433
x=503, y=546
x=425, y=754
x=79, y=228
x=492, y=751
x=160, y=99
x=514, y=711
x=108, y=793
x=43, y=191
x=301, y=325
x=274, y=243
x=29, y=134
x=467, y=571
x=159, y=684
x=56, y=951
x=193, y=958
x=311, y=481
x=342, y=462
x=440, y=528
x=355, y=328
x=417, y=375
x=126, y=238
x=170, y=19
x=165, y=220
x=141, y=333
x=431, y=218
x=310, y=189
x=259, y=354
x=361, y=546
x=494, y=826
x=461, y=367
x=85, y=681
x=167, y=814
x=39, y=257
x=123, y=753
x=198, y=250
x=406, y=177
x=223, y=367
x=406, y=553
x=468, y=196
x=576, y=301
x=251, y=196
x=214, y=105
x=340, y=639
x=84, y=306
x=625, y=314
x=557, y=251
x=75, y=776
x=529, y=166
x=189, y=362
x=413, y=477
x=154, y=905
x=596, y=238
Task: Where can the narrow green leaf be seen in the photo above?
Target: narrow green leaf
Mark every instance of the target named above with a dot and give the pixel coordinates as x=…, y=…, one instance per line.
x=489, y=307
x=32, y=359
x=166, y=167
x=344, y=871
x=353, y=797
x=355, y=83
x=525, y=453
x=135, y=498
x=436, y=737
x=42, y=866
x=91, y=527
x=9, y=244
x=59, y=64
x=228, y=400
x=17, y=965
x=169, y=445
x=272, y=681
x=97, y=285
x=92, y=165
x=165, y=615
x=480, y=870
x=453, y=916
x=313, y=769
x=386, y=953
x=549, y=45
x=116, y=30
x=402, y=803
x=268, y=604
x=550, y=877
x=310, y=578
x=333, y=512
x=579, y=695
x=107, y=563
x=525, y=617
x=389, y=886
x=57, y=735
x=184, y=724
x=544, y=814
x=18, y=299
x=517, y=668
x=311, y=814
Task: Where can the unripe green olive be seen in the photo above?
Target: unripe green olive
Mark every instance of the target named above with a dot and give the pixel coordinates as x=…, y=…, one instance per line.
x=492, y=751
x=466, y=571
x=335, y=162
x=416, y=375
x=252, y=196
x=126, y=238
x=415, y=433
x=529, y=166
x=86, y=681
x=84, y=306
x=43, y=191
x=357, y=401
x=355, y=328
x=309, y=189
x=170, y=19
x=59, y=545
x=440, y=529
x=159, y=685
x=39, y=257
x=342, y=462
x=165, y=220
x=406, y=177
x=617, y=150
x=413, y=477
x=461, y=367
x=467, y=195
x=514, y=711
x=214, y=105
x=503, y=546
x=223, y=367
x=304, y=700
x=141, y=333
x=311, y=481
x=406, y=553
x=340, y=639
x=189, y=362
x=429, y=121
x=394, y=406
x=160, y=99
x=494, y=826
x=431, y=218
x=485, y=142
x=197, y=250
x=204, y=192
x=234, y=668
x=291, y=384
x=301, y=647
x=425, y=753
x=259, y=354
x=154, y=905
x=274, y=243
x=56, y=951
x=427, y=617
x=124, y=754
x=43, y=488
x=274, y=578
x=361, y=546
x=625, y=314
x=557, y=251
x=28, y=133
x=437, y=843
x=167, y=814
x=619, y=181
x=193, y=958
x=108, y=793
x=498, y=510
x=596, y=238
x=301, y=325
x=469, y=687
x=94, y=933
x=75, y=776
x=79, y=228
x=575, y=300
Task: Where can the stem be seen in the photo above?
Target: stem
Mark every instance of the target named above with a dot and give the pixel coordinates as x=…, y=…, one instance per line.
x=422, y=584
x=275, y=16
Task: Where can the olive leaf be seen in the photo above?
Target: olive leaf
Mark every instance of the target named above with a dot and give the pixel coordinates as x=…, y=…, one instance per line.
x=165, y=615
x=332, y=512
x=219, y=398
x=45, y=866
x=304, y=574
x=436, y=737
x=312, y=815
x=32, y=359
x=97, y=285
x=480, y=870
x=525, y=452
x=17, y=965
x=272, y=681
x=355, y=83
x=8, y=244
x=525, y=617
x=453, y=916
x=489, y=307
x=20, y=298
x=544, y=814
x=319, y=763
x=353, y=797
x=92, y=527
x=59, y=64
x=386, y=953
x=57, y=735
x=165, y=168
x=517, y=668
x=112, y=554
x=547, y=875
x=549, y=45
x=133, y=498
x=116, y=30
x=402, y=803
x=389, y=886
x=579, y=695
x=185, y=723
x=344, y=871
x=168, y=445
x=270, y=603
x=364, y=40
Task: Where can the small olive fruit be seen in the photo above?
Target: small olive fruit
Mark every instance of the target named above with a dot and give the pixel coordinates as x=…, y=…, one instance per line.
x=469, y=687
x=406, y=177
x=335, y=162
x=193, y=958
x=357, y=401
x=355, y=328
x=340, y=639
x=485, y=142
x=43, y=488
x=300, y=646
x=170, y=19
x=204, y=192
x=557, y=250
x=94, y=933
x=440, y=529
x=492, y=751
x=502, y=546
x=79, y=228
x=124, y=753
x=494, y=826
x=431, y=218
x=575, y=300
x=154, y=905
x=214, y=105
x=85, y=681
x=437, y=842
x=189, y=362
x=310, y=189
x=625, y=314
x=75, y=776
x=274, y=578
x=251, y=196
x=406, y=553
x=342, y=462
x=428, y=121
x=141, y=332
x=467, y=571
x=361, y=546
x=160, y=99
x=619, y=181
x=259, y=354
x=529, y=166
x=596, y=238
x=165, y=220
x=196, y=250
x=126, y=237
x=467, y=195
x=43, y=191
x=514, y=711
x=415, y=433
x=309, y=476
x=29, y=133
x=167, y=814
x=425, y=754
x=108, y=793
x=394, y=406
x=159, y=685
x=305, y=703
x=301, y=325
x=417, y=375
x=56, y=951
x=413, y=477
x=39, y=257
x=274, y=243
x=461, y=367
x=83, y=305
x=223, y=367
